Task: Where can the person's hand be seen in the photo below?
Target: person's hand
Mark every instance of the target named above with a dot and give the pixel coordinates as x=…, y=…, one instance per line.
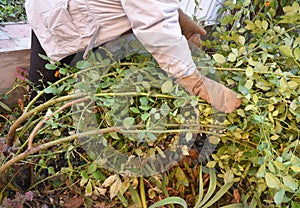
x=190, y=29
x=221, y=97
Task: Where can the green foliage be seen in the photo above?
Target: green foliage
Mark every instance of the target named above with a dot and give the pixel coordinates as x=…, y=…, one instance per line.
x=257, y=55
x=12, y=10
x=259, y=51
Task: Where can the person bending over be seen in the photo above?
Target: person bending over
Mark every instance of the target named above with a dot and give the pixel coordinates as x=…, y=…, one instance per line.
x=62, y=28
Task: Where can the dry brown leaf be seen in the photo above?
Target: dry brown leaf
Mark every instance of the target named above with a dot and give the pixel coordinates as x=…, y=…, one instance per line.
x=75, y=202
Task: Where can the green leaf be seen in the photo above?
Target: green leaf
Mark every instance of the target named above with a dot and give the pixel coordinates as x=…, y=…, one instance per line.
x=98, y=175
x=135, y=110
x=243, y=90
x=51, y=66
x=272, y=181
x=84, y=174
x=250, y=25
x=83, y=64
x=51, y=170
x=211, y=188
x=167, y=87
x=170, y=200
x=219, y=58
x=297, y=53
x=44, y=57
x=92, y=168
x=223, y=190
x=144, y=101
x=63, y=71
x=145, y=116
x=164, y=109
x=237, y=205
x=51, y=90
x=5, y=107
x=295, y=204
x=181, y=177
x=285, y=50
x=290, y=182
x=279, y=195
x=128, y=122
x=151, y=136
x=114, y=135
x=228, y=177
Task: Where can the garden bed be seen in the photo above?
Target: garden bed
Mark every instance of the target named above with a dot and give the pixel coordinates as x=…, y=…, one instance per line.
x=254, y=159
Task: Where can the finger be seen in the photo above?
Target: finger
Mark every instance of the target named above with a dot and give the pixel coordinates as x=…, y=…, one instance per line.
x=200, y=30
x=195, y=39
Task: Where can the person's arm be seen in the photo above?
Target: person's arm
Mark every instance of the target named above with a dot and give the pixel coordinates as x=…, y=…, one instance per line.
x=190, y=29
x=156, y=25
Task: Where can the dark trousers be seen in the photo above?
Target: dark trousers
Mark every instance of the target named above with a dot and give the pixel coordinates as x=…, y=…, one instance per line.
x=39, y=76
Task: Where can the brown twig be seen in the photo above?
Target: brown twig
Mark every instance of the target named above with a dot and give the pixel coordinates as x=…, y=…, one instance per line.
x=40, y=124
x=25, y=115
x=53, y=143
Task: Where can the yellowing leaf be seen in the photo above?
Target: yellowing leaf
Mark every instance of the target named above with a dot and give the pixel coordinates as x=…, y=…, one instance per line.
x=242, y=40
x=264, y=24
x=89, y=189
x=214, y=140
x=290, y=182
x=232, y=57
x=211, y=164
x=272, y=181
x=261, y=171
x=109, y=180
x=219, y=58
x=278, y=197
x=128, y=122
x=293, y=85
x=249, y=84
x=181, y=177
x=285, y=50
x=249, y=107
x=115, y=187
x=249, y=71
x=279, y=165
x=295, y=168
x=297, y=53
x=167, y=86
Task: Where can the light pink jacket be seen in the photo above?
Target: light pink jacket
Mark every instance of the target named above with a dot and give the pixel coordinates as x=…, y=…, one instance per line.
x=65, y=27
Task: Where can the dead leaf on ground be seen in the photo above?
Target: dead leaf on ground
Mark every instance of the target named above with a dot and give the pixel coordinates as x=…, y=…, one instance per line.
x=236, y=196
x=75, y=202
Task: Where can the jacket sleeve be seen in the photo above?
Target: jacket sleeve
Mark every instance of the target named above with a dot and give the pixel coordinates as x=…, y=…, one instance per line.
x=155, y=24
